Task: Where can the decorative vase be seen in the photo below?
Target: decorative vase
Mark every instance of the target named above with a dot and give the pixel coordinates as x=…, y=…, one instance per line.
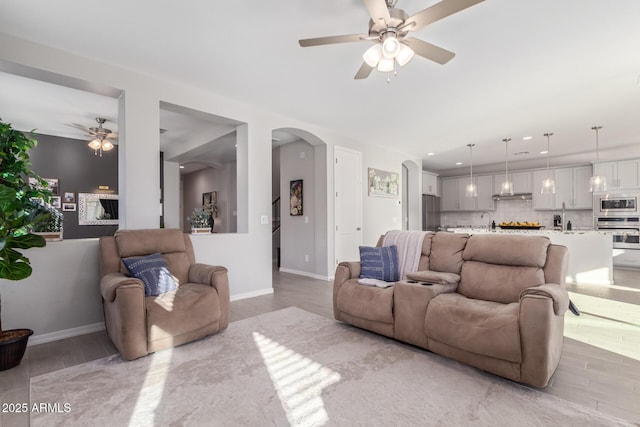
x=13, y=343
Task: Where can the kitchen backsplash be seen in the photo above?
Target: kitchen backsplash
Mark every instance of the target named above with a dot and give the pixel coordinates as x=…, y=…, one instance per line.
x=517, y=210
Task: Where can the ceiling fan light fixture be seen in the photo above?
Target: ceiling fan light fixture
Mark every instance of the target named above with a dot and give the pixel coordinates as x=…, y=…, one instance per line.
x=373, y=55
x=95, y=144
x=385, y=65
x=106, y=145
x=405, y=55
x=390, y=45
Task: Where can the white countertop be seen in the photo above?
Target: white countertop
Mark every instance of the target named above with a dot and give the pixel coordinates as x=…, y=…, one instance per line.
x=477, y=230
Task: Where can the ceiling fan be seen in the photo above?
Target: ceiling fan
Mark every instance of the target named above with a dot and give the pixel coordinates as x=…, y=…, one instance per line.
x=389, y=28
x=103, y=138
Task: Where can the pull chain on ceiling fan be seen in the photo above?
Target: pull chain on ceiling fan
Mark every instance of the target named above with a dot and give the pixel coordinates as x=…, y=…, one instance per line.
x=389, y=28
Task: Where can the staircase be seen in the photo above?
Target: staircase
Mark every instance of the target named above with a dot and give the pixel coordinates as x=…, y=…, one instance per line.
x=275, y=215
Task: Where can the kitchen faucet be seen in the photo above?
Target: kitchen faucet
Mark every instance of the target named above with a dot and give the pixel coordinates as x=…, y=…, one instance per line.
x=564, y=227
x=482, y=216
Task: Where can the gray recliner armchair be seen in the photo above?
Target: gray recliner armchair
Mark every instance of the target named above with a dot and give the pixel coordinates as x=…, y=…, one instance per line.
x=140, y=325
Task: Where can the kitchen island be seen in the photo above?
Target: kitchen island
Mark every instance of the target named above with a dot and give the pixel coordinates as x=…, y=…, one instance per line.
x=590, y=251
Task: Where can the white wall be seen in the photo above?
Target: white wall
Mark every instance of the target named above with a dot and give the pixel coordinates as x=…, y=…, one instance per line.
x=247, y=254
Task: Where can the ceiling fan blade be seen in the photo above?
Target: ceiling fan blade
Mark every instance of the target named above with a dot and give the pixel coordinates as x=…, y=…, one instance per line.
x=429, y=51
x=318, y=41
x=78, y=126
x=378, y=11
x=363, y=72
x=436, y=12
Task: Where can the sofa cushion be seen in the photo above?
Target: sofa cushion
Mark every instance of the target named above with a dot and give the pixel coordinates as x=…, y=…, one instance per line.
x=507, y=249
x=446, y=252
x=189, y=308
x=434, y=277
x=146, y=242
x=497, y=283
x=154, y=272
x=480, y=327
x=379, y=263
x=366, y=302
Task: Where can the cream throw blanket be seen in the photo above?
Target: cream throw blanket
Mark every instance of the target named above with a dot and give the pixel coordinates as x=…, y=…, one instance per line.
x=409, y=243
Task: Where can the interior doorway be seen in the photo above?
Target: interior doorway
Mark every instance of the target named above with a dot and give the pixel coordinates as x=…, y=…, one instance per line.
x=348, y=204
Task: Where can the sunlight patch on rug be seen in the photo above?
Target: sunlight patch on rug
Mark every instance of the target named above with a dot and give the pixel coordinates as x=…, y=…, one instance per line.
x=152, y=390
x=299, y=382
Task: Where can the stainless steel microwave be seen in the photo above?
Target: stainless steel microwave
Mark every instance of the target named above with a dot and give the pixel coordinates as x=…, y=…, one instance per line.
x=612, y=204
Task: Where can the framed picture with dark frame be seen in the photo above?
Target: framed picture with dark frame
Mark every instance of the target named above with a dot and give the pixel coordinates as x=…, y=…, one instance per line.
x=295, y=198
x=210, y=198
x=69, y=197
x=69, y=207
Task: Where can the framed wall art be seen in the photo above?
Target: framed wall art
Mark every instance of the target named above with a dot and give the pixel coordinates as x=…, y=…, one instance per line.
x=383, y=183
x=295, y=197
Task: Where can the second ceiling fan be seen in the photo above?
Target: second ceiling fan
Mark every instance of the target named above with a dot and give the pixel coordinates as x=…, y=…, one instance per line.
x=389, y=28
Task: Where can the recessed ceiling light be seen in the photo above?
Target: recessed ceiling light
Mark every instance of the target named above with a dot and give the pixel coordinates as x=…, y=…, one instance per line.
x=458, y=163
x=526, y=138
x=544, y=152
x=430, y=154
x=181, y=166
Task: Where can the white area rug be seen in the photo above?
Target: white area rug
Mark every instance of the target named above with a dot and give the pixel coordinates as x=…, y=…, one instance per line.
x=291, y=367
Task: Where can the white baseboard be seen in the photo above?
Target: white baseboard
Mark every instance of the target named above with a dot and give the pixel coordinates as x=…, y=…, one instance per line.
x=251, y=294
x=66, y=333
x=306, y=274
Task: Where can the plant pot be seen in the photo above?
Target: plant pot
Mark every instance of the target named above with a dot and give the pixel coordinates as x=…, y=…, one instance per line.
x=13, y=343
x=200, y=230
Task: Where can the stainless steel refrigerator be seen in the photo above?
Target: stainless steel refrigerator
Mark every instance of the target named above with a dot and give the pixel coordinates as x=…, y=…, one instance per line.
x=430, y=212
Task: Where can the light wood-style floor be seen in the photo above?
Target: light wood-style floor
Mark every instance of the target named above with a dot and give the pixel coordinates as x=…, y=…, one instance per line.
x=600, y=365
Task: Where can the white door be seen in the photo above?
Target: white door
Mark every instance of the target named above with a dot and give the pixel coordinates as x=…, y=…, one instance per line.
x=347, y=182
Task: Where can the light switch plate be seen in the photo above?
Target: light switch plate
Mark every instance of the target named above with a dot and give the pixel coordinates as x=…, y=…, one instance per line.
x=264, y=220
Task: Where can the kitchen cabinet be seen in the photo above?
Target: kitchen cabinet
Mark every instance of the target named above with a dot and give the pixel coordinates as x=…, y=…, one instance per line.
x=453, y=197
x=521, y=182
x=572, y=188
x=430, y=183
x=620, y=175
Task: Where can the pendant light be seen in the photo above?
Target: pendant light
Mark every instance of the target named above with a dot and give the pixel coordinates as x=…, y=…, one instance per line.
x=548, y=184
x=507, y=186
x=597, y=182
x=471, y=189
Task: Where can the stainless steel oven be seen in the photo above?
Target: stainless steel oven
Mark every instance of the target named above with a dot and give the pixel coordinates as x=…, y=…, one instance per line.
x=625, y=230
x=616, y=205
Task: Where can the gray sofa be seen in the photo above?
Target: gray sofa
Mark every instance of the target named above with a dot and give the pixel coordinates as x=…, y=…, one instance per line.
x=505, y=315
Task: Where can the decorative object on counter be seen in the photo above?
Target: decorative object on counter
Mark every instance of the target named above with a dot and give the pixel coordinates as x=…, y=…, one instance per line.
x=201, y=221
x=597, y=182
x=520, y=225
x=471, y=189
x=548, y=184
x=569, y=226
x=507, y=186
x=493, y=225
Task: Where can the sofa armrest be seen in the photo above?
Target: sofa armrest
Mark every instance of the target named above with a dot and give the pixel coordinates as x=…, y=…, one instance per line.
x=110, y=283
x=344, y=272
x=556, y=293
x=217, y=277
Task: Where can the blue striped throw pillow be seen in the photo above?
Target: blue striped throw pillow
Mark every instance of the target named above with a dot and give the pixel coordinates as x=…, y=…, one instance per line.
x=379, y=263
x=154, y=273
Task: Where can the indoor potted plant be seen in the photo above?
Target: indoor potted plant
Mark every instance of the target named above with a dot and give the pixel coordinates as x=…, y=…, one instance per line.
x=201, y=221
x=19, y=213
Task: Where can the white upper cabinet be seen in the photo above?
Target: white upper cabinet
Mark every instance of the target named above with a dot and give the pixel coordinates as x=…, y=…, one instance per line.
x=521, y=182
x=542, y=201
x=572, y=189
x=453, y=197
x=449, y=199
x=621, y=175
x=430, y=183
x=485, y=200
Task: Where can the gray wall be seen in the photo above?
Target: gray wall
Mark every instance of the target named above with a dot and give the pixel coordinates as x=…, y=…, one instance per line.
x=78, y=170
x=275, y=193
x=298, y=232
x=222, y=180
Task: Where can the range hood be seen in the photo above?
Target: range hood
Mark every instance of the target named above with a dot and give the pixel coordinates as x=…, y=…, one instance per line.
x=516, y=196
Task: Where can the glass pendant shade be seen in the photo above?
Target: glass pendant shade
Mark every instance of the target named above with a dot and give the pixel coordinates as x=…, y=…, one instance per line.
x=507, y=186
x=390, y=45
x=548, y=186
x=506, y=189
x=405, y=55
x=471, y=190
x=598, y=183
x=373, y=55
